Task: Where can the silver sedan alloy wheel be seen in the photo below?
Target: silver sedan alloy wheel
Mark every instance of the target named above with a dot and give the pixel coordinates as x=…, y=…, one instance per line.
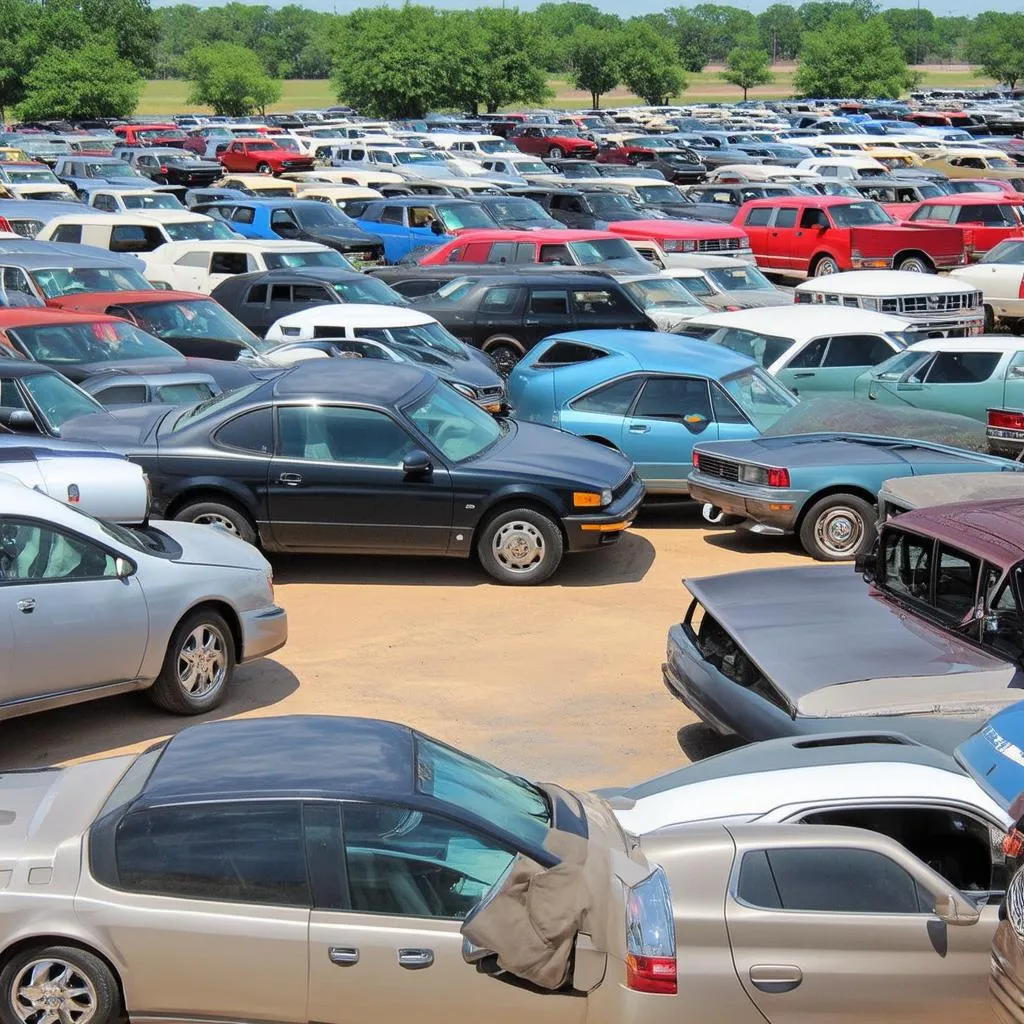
x=839, y=531
x=519, y=547
x=53, y=991
x=202, y=661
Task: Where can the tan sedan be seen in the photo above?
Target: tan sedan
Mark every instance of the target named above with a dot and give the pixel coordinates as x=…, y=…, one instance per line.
x=338, y=870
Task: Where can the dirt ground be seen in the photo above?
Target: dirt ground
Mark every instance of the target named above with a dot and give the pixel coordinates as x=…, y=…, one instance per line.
x=558, y=682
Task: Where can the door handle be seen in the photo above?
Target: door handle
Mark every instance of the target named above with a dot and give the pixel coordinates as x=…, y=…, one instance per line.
x=639, y=428
x=797, y=376
x=27, y=605
x=775, y=978
x=531, y=323
x=343, y=956
x=415, y=959
x=290, y=479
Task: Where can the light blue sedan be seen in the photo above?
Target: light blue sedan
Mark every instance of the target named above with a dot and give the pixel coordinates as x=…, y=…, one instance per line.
x=652, y=396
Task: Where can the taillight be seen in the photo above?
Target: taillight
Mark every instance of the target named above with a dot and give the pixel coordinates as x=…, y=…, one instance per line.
x=1006, y=420
x=778, y=477
x=651, y=937
x=163, y=170
x=1020, y=289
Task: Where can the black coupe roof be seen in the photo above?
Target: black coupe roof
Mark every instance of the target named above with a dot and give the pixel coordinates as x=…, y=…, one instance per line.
x=372, y=381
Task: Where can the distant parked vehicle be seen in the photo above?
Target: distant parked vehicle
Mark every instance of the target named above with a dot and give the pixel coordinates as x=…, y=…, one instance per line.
x=1000, y=276
x=262, y=155
x=35, y=278
x=405, y=224
x=554, y=141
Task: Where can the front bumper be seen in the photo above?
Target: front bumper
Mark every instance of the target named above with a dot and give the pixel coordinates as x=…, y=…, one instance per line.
x=263, y=632
x=586, y=532
x=771, y=510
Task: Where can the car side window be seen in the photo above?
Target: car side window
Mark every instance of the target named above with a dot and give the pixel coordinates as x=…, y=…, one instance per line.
x=598, y=302
x=1003, y=626
x=123, y=394
x=69, y=233
x=105, y=203
x=612, y=399
x=907, y=561
x=857, y=350
x=229, y=263
x=414, y=864
x=193, y=259
x=33, y=552
x=134, y=238
x=675, y=398
x=549, y=302
x=252, y=431
x=830, y=879
x=239, y=853
x=392, y=215
x=556, y=253
x=257, y=295
x=15, y=280
x=500, y=300
x=309, y=294
x=758, y=217
x=956, y=583
x=962, y=367
x=786, y=217
x=502, y=252
x=243, y=215
x=810, y=355
x=341, y=434
x=10, y=396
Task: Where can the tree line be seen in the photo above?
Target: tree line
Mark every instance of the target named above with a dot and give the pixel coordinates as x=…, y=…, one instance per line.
x=75, y=58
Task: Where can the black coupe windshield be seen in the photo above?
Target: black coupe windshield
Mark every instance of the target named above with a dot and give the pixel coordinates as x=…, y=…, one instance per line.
x=457, y=427
x=105, y=341
x=194, y=318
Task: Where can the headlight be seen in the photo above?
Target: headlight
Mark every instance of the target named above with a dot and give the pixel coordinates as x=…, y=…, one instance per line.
x=753, y=475
x=465, y=389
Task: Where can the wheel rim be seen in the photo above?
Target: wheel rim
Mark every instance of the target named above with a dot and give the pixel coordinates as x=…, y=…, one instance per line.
x=50, y=991
x=217, y=519
x=555, y=153
x=839, y=531
x=912, y=266
x=202, y=661
x=263, y=168
x=519, y=547
x=824, y=268
x=504, y=359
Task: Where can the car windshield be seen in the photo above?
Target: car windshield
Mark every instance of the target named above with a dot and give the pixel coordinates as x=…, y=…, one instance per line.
x=509, y=209
x=468, y=215
x=610, y=204
x=762, y=400
x=311, y=258
x=661, y=292
x=531, y=167
x=696, y=285
x=507, y=802
x=765, y=348
x=899, y=365
x=1000, y=163
x=740, y=279
x=217, y=404
x=162, y=201
x=30, y=176
x=854, y=215
x=496, y=146
x=659, y=194
x=322, y=215
x=58, y=399
x=457, y=427
x=368, y=289
x=1010, y=250
x=402, y=157
x=120, y=169
x=193, y=318
x=74, y=280
x=649, y=142
x=418, y=340
x=162, y=133
x=604, y=250
x=104, y=341
x=198, y=231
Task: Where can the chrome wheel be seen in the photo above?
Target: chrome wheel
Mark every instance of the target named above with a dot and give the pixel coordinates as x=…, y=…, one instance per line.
x=202, y=661
x=49, y=991
x=913, y=266
x=216, y=519
x=826, y=267
x=519, y=547
x=839, y=531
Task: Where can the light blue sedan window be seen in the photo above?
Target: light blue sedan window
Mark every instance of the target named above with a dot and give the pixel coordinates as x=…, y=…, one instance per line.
x=613, y=399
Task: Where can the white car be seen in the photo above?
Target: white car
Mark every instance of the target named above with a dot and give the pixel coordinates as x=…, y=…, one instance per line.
x=199, y=266
x=133, y=232
x=666, y=301
x=809, y=348
x=883, y=782
x=727, y=283
x=141, y=200
x=844, y=167
x=1000, y=276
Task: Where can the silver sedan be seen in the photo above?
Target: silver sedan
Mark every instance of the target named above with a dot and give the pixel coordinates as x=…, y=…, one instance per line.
x=92, y=609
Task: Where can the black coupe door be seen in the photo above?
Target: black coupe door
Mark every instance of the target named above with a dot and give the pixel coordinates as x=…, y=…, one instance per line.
x=337, y=484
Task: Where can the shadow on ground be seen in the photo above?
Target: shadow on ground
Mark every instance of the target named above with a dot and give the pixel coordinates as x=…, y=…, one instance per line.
x=697, y=741
x=86, y=729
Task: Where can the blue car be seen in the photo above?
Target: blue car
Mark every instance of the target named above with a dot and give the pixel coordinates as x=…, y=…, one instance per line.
x=298, y=220
x=651, y=396
x=82, y=173
x=407, y=222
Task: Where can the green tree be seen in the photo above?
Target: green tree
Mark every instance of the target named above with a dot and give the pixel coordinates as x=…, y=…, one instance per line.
x=816, y=14
x=92, y=81
x=747, y=66
x=996, y=45
x=16, y=17
x=914, y=32
x=556, y=22
x=594, y=55
x=649, y=63
x=510, y=72
x=230, y=78
x=851, y=57
x=780, y=27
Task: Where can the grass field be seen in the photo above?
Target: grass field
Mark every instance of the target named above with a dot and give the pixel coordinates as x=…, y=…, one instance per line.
x=168, y=96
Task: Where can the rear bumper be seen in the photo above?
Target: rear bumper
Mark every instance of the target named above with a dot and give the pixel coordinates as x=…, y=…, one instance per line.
x=263, y=632
x=584, y=533
x=772, y=510
x=1005, y=441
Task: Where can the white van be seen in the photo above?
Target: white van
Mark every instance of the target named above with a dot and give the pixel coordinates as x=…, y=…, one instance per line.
x=133, y=232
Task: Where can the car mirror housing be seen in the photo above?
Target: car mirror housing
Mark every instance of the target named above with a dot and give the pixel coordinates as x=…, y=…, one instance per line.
x=954, y=908
x=124, y=567
x=21, y=421
x=866, y=564
x=417, y=463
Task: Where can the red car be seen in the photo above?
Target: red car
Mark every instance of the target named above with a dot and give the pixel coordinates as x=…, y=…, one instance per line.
x=552, y=140
x=548, y=245
x=985, y=218
x=686, y=236
x=809, y=236
x=264, y=156
x=150, y=134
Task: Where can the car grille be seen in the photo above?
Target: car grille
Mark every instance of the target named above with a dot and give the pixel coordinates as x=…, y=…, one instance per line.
x=722, y=468
x=932, y=303
x=719, y=244
x=363, y=255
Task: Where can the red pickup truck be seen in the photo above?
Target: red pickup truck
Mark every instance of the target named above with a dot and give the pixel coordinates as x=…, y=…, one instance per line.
x=809, y=236
x=984, y=218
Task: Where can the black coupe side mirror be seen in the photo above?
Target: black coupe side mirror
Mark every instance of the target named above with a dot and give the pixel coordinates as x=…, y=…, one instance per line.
x=417, y=463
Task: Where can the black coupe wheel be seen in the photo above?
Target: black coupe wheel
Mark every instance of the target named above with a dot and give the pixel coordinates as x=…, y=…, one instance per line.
x=838, y=527
x=520, y=547
x=58, y=985
x=219, y=514
x=198, y=666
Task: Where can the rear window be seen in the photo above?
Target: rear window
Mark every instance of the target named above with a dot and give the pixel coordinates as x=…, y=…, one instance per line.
x=564, y=353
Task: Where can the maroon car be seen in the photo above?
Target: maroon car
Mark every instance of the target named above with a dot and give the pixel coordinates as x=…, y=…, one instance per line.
x=552, y=140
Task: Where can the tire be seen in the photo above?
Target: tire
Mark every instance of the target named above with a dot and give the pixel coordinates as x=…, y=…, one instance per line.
x=221, y=514
x=264, y=168
x=185, y=687
x=838, y=528
x=505, y=356
x=556, y=153
x=990, y=321
x=77, y=969
x=520, y=547
x=915, y=265
x=825, y=267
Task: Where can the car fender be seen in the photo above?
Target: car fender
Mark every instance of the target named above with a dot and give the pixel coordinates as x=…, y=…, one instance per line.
x=519, y=494
x=843, y=262
x=184, y=490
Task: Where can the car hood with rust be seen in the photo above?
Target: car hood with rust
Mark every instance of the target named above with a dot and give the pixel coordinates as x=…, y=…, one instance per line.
x=834, y=647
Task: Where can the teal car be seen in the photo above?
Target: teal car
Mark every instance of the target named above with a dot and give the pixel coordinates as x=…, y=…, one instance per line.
x=966, y=376
x=649, y=395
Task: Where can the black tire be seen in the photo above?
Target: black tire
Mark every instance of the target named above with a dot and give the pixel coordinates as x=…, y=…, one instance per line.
x=825, y=267
x=990, y=320
x=915, y=265
x=555, y=153
x=202, y=630
x=520, y=547
x=87, y=971
x=505, y=356
x=838, y=527
x=264, y=168
x=219, y=514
